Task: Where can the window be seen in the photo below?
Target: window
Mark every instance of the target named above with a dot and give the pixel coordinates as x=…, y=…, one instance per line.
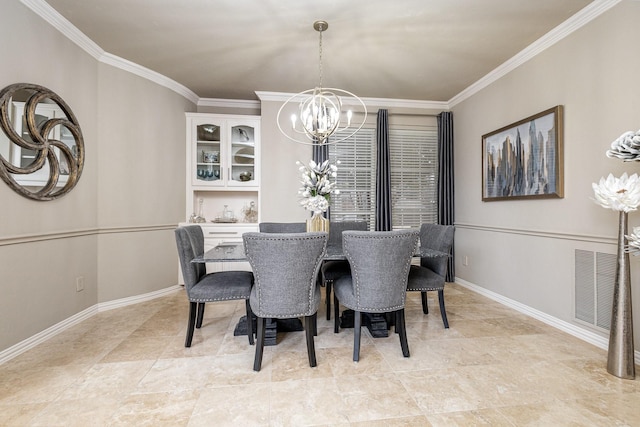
x=414, y=172
x=414, y=177
x=356, y=178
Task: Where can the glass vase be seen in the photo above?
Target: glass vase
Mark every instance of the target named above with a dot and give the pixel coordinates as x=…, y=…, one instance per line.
x=317, y=222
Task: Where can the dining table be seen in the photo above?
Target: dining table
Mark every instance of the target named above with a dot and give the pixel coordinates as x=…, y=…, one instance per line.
x=377, y=324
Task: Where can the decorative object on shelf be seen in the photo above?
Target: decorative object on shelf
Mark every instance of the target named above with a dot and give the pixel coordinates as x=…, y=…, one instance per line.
x=209, y=133
x=199, y=219
x=244, y=136
x=622, y=195
x=245, y=176
x=210, y=156
x=316, y=191
x=626, y=147
x=62, y=155
x=227, y=216
x=320, y=110
x=227, y=213
x=250, y=212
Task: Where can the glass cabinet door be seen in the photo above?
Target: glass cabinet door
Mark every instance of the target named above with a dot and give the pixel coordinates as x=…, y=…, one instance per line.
x=208, y=154
x=243, y=151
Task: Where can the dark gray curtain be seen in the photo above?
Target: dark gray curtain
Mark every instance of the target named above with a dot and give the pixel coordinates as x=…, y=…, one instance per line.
x=320, y=154
x=445, y=179
x=383, y=173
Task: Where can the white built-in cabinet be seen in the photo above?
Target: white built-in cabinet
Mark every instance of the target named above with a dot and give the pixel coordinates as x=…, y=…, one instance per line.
x=223, y=177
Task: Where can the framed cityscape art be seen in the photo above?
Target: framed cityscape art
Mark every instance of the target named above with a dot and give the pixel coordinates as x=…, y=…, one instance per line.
x=524, y=160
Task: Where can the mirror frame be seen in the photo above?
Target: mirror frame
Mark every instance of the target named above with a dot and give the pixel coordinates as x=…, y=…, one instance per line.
x=40, y=143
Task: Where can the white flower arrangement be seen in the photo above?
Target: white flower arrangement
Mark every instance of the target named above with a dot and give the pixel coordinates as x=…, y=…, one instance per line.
x=618, y=194
x=317, y=185
x=633, y=240
x=626, y=147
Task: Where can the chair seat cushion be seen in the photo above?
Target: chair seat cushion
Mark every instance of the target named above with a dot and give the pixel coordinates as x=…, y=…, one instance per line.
x=221, y=286
x=331, y=270
x=424, y=279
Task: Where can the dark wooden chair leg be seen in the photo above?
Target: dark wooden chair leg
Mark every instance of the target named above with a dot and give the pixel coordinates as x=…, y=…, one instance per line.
x=200, y=315
x=402, y=331
x=443, y=312
x=425, y=307
x=249, y=321
x=257, y=361
x=336, y=314
x=193, y=307
x=357, y=323
x=314, y=324
x=328, y=285
x=311, y=350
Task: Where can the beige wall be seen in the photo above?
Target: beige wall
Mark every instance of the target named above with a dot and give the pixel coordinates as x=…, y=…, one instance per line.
x=115, y=228
x=524, y=250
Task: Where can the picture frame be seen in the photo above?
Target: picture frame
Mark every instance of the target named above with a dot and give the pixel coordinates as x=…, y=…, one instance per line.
x=524, y=160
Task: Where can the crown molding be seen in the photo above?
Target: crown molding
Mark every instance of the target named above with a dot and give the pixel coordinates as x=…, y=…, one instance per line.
x=583, y=17
x=139, y=70
x=59, y=22
x=228, y=103
x=369, y=102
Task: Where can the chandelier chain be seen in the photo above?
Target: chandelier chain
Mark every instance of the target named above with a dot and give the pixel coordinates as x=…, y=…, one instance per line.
x=320, y=50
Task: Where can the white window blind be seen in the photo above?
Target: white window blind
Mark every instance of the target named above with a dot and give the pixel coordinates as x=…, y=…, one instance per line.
x=356, y=178
x=414, y=176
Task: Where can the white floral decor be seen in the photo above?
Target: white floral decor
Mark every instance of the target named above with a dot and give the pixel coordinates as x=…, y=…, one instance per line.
x=619, y=194
x=633, y=242
x=317, y=185
x=626, y=147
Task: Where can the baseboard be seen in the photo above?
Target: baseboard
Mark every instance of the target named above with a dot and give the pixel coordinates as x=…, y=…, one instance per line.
x=59, y=327
x=580, y=333
x=123, y=302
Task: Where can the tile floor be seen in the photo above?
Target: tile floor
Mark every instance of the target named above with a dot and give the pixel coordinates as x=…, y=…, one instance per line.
x=493, y=367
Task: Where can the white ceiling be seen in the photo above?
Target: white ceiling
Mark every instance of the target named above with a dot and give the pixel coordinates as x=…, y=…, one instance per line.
x=427, y=50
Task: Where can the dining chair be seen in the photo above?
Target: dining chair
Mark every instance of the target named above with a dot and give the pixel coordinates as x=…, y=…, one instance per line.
x=380, y=262
x=282, y=227
x=285, y=266
x=333, y=269
x=430, y=274
x=201, y=287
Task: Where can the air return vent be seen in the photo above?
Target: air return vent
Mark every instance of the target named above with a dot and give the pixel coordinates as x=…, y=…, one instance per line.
x=594, y=279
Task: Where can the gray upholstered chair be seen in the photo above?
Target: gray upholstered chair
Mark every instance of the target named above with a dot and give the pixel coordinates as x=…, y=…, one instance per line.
x=285, y=266
x=380, y=262
x=202, y=287
x=333, y=269
x=430, y=274
x=282, y=227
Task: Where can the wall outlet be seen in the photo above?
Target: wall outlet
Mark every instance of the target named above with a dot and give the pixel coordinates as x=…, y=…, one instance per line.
x=465, y=261
x=79, y=283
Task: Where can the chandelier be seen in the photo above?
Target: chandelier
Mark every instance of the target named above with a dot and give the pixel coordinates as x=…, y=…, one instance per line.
x=320, y=112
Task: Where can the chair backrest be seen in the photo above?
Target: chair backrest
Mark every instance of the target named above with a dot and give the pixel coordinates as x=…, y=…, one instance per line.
x=282, y=227
x=190, y=244
x=440, y=238
x=337, y=227
x=285, y=266
x=380, y=262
